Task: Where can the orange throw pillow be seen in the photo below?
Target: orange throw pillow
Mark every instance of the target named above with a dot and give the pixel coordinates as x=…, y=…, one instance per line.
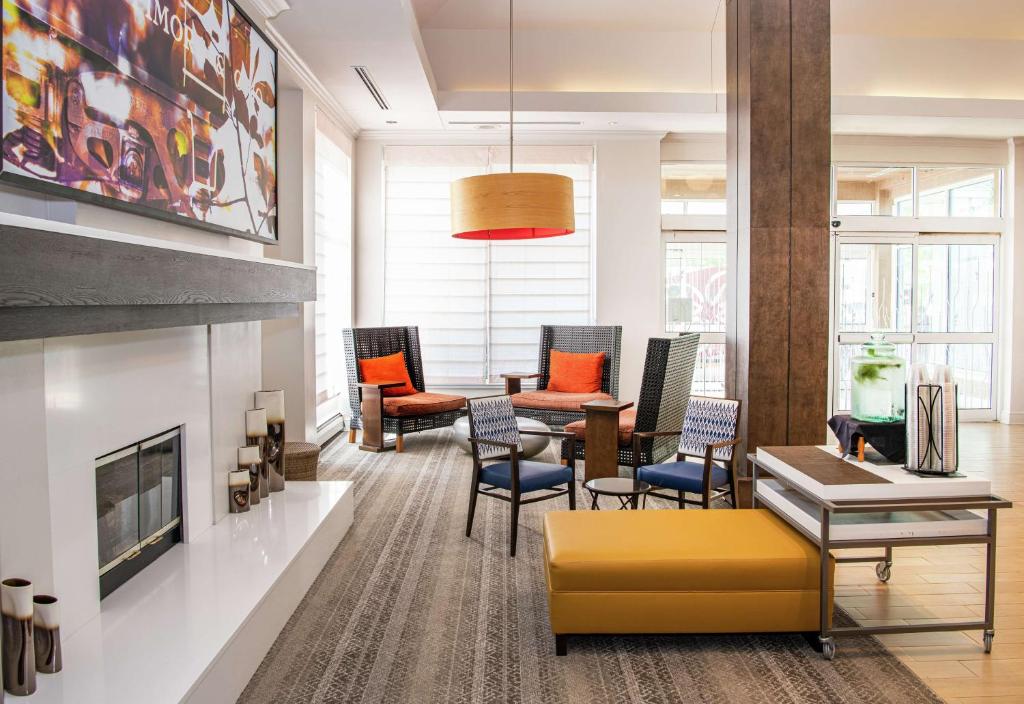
x=378, y=370
x=575, y=373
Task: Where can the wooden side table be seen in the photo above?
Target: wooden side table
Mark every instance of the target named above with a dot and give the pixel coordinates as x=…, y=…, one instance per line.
x=602, y=438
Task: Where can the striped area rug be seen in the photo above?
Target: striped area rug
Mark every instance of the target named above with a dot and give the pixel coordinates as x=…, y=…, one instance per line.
x=410, y=610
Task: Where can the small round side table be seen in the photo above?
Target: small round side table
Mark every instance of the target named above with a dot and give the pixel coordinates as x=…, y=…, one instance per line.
x=628, y=491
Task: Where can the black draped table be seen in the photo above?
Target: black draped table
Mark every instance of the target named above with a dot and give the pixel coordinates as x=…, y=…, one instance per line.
x=889, y=439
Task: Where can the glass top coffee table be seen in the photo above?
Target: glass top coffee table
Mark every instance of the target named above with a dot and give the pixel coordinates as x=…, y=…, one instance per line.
x=627, y=491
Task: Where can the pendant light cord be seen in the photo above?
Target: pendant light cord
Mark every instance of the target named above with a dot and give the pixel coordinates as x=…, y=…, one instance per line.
x=511, y=88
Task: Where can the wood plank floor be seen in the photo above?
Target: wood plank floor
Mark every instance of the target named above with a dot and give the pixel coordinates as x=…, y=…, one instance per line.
x=931, y=583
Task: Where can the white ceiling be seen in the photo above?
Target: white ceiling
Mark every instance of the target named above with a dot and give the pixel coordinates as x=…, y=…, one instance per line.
x=938, y=67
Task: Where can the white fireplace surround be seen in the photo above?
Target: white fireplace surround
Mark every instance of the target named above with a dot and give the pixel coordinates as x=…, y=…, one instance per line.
x=68, y=401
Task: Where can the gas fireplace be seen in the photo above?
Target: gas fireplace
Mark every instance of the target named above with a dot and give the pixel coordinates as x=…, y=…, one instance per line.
x=138, y=506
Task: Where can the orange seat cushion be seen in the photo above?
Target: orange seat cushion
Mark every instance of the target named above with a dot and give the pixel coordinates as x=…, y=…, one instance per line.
x=627, y=421
x=555, y=400
x=391, y=367
x=575, y=373
x=422, y=404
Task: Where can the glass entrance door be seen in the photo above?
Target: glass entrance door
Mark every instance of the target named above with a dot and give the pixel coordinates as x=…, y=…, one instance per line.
x=931, y=295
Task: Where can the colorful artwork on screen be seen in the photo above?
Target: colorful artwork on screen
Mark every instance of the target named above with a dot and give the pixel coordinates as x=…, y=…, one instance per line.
x=164, y=107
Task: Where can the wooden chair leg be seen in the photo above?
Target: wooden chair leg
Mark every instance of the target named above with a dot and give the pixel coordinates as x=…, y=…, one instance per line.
x=572, y=495
x=472, y=510
x=351, y=436
x=860, y=449
x=399, y=443
x=682, y=505
x=515, y=524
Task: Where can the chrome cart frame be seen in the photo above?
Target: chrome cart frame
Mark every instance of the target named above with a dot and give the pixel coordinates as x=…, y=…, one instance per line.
x=826, y=638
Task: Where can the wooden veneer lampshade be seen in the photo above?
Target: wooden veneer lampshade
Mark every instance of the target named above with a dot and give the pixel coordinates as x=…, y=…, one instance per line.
x=512, y=206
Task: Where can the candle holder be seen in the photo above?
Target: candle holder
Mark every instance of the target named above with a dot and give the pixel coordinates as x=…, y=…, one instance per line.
x=46, y=626
x=238, y=481
x=273, y=402
x=256, y=436
x=17, y=650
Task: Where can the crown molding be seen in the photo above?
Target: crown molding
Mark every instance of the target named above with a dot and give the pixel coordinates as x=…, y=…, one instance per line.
x=271, y=8
x=325, y=99
x=498, y=138
x=268, y=10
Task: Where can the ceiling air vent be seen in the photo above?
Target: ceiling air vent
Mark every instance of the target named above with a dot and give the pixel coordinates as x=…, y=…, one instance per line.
x=364, y=76
x=491, y=124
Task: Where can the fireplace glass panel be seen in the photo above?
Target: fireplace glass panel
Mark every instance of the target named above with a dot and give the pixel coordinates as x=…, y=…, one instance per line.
x=117, y=504
x=158, y=484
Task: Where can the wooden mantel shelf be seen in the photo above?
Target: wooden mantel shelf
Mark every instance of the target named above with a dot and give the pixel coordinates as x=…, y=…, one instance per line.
x=58, y=279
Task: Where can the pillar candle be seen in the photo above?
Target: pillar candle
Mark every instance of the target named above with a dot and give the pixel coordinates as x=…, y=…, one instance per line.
x=256, y=423
x=248, y=455
x=273, y=401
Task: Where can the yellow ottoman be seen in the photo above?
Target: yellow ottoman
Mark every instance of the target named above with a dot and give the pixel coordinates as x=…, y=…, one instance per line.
x=670, y=571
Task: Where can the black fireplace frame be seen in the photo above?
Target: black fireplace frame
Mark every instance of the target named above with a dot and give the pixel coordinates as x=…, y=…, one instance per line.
x=136, y=559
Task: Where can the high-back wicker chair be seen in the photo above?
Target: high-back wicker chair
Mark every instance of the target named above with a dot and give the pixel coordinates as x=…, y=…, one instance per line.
x=366, y=343
x=664, y=392
x=578, y=339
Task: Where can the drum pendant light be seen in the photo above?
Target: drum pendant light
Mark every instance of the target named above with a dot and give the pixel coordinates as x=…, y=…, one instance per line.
x=512, y=206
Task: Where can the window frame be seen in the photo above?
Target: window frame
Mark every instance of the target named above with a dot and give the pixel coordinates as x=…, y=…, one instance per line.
x=914, y=338
x=915, y=222
x=688, y=237
x=329, y=425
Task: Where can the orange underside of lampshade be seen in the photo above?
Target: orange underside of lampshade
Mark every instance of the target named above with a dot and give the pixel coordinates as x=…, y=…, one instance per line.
x=513, y=206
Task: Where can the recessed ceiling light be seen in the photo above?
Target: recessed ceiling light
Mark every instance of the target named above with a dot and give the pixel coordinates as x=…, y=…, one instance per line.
x=391, y=122
x=612, y=123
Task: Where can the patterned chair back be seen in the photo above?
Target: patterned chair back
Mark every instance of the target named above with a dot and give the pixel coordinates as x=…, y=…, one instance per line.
x=493, y=418
x=708, y=421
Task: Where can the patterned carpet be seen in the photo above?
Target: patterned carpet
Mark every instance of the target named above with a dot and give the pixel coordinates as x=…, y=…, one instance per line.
x=409, y=610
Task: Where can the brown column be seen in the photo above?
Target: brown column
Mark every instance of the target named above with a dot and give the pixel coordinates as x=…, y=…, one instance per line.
x=778, y=103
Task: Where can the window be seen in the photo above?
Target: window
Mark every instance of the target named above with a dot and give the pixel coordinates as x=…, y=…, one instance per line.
x=695, y=300
x=959, y=191
x=693, y=188
x=873, y=190
x=939, y=191
x=933, y=296
x=479, y=304
x=333, y=237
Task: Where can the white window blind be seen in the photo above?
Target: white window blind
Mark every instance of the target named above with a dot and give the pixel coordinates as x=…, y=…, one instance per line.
x=333, y=215
x=479, y=304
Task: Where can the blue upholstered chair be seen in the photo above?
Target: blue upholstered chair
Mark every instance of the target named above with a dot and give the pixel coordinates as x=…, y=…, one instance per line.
x=494, y=435
x=710, y=434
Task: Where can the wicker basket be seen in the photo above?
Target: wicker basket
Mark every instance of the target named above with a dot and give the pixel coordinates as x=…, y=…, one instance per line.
x=300, y=461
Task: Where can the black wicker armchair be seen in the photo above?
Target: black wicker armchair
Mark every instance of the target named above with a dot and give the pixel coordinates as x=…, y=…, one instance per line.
x=556, y=408
x=664, y=392
x=377, y=414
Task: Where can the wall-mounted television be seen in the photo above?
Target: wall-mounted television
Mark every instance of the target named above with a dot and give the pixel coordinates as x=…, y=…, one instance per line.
x=165, y=108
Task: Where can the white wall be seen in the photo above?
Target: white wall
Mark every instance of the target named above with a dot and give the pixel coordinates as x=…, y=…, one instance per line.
x=627, y=228
x=1012, y=276
x=629, y=256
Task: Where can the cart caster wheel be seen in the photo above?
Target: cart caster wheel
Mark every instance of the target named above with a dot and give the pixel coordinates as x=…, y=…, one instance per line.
x=828, y=648
x=884, y=571
x=989, y=635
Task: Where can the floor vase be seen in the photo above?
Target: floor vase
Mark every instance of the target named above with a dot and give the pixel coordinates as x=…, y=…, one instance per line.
x=46, y=636
x=17, y=650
